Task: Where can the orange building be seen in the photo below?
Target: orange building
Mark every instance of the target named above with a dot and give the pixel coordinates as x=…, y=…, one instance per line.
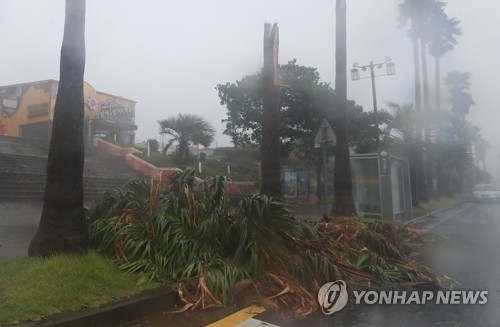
x=27, y=110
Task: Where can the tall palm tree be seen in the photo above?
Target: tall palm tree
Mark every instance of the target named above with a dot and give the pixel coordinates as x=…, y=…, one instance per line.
x=402, y=131
x=429, y=11
x=342, y=182
x=450, y=143
x=430, y=28
x=453, y=142
x=417, y=12
x=460, y=99
x=429, y=24
x=442, y=40
x=270, y=143
x=62, y=227
x=187, y=130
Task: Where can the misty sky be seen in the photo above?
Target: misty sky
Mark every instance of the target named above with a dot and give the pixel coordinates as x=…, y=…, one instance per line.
x=169, y=55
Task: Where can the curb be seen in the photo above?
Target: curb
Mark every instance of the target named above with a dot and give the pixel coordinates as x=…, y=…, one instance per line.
x=427, y=215
x=113, y=313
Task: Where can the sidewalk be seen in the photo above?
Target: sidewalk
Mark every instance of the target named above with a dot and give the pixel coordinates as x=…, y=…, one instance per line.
x=18, y=225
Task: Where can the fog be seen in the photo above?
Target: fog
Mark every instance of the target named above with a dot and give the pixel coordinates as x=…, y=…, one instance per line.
x=169, y=56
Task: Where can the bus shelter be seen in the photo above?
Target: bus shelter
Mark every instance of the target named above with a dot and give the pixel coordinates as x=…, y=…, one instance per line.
x=381, y=186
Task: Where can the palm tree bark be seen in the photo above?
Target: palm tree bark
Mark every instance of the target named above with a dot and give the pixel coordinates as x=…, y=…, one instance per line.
x=419, y=190
x=270, y=144
x=62, y=227
x=437, y=68
x=429, y=180
x=442, y=181
x=344, y=203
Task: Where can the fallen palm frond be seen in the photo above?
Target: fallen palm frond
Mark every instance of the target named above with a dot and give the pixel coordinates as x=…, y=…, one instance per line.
x=196, y=295
x=188, y=234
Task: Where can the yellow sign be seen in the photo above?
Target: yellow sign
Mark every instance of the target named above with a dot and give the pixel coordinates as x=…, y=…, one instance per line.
x=39, y=109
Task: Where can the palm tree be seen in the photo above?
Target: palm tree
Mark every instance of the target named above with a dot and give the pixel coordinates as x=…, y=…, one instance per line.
x=442, y=40
x=344, y=203
x=454, y=140
x=449, y=147
x=434, y=11
x=187, y=130
x=431, y=26
x=62, y=227
x=417, y=13
x=270, y=143
x=402, y=138
x=460, y=99
x=402, y=127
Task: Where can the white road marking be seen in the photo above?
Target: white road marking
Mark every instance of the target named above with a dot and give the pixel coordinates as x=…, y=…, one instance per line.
x=252, y=322
x=450, y=216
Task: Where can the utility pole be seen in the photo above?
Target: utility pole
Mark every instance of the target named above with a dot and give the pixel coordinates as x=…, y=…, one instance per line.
x=390, y=70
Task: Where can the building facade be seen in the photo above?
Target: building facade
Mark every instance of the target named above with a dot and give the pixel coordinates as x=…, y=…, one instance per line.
x=27, y=110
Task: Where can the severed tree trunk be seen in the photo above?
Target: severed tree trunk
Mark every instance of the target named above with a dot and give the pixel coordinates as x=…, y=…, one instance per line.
x=342, y=182
x=62, y=227
x=270, y=144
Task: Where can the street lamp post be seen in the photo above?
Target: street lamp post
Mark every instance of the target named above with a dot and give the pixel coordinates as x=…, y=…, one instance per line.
x=390, y=70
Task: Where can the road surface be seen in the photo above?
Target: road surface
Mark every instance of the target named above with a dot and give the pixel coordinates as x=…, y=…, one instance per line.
x=468, y=252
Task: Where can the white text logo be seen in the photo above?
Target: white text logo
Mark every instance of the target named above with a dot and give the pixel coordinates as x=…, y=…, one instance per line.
x=415, y=297
x=332, y=297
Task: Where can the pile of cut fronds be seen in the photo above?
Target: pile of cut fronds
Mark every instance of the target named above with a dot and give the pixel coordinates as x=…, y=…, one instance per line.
x=377, y=248
x=187, y=234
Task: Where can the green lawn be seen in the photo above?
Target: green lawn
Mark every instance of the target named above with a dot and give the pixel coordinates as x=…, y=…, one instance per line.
x=433, y=205
x=33, y=288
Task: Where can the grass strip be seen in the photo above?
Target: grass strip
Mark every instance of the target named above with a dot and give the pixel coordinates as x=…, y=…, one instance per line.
x=432, y=205
x=33, y=288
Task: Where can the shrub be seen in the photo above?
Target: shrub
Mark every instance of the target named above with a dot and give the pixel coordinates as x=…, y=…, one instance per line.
x=188, y=233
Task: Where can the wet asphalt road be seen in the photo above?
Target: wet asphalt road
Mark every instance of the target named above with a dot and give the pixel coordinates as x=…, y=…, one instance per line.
x=468, y=252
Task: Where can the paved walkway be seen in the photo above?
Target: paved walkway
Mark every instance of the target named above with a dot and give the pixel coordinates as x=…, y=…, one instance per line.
x=18, y=224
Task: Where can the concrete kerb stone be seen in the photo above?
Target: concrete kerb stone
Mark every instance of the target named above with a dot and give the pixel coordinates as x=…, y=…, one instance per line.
x=432, y=213
x=156, y=300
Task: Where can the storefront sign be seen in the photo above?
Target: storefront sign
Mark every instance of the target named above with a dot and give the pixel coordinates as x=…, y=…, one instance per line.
x=39, y=109
x=118, y=113
x=115, y=111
